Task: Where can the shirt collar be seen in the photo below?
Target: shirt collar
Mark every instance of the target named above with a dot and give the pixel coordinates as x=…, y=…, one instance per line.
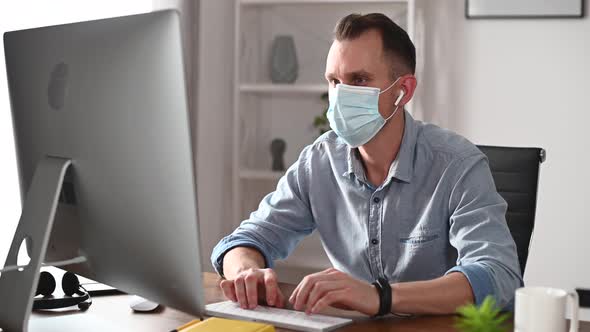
x=401, y=168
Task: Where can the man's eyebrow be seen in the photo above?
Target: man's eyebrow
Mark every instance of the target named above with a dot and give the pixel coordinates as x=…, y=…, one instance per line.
x=360, y=73
x=352, y=74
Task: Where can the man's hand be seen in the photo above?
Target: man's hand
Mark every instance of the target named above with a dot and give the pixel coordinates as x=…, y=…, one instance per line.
x=250, y=285
x=335, y=288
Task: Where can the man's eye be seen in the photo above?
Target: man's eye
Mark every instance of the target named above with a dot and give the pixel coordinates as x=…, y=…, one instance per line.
x=334, y=81
x=360, y=81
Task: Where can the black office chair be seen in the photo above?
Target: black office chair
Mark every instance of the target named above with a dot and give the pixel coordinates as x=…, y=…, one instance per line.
x=516, y=174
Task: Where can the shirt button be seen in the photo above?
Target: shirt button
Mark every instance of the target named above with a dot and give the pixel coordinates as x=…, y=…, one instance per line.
x=374, y=241
x=376, y=200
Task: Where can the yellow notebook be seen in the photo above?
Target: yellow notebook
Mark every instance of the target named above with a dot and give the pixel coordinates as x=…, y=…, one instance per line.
x=215, y=324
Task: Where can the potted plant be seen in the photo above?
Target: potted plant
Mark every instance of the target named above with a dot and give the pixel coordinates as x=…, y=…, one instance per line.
x=320, y=122
x=484, y=318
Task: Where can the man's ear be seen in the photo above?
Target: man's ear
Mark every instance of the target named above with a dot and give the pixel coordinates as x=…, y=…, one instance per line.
x=408, y=87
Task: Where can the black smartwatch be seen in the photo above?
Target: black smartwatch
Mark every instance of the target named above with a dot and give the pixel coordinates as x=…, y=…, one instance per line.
x=384, y=290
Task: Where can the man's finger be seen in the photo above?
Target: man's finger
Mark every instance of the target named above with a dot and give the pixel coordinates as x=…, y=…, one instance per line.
x=280, y=302
x=306, y=285
x=251, y=282
x=241, y=292
x=297, y=289
x=229, y=290
x=319, y=290
x=294, y=294
x=336, y=296
x=271, y=288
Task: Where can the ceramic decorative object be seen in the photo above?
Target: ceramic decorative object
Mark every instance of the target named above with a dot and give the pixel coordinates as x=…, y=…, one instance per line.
x=277, y=149
x=284, y=67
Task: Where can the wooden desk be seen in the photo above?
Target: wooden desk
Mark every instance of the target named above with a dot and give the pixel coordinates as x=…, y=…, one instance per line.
x=115, y=310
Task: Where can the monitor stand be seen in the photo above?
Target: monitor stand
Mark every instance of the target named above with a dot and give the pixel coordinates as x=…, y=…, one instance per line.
x=17, y=288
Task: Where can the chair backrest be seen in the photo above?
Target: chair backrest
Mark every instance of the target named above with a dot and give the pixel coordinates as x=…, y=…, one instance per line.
x=516, y=175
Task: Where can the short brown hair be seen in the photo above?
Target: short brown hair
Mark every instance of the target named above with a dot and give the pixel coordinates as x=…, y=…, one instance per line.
x=395, y=40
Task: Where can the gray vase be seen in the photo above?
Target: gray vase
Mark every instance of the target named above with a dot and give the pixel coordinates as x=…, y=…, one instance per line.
x=277, y=149
x=283, y=60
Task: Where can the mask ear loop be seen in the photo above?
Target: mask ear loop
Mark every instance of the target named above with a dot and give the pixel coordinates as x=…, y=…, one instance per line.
x=389, y=87
x=396, y=106
x=392, y=114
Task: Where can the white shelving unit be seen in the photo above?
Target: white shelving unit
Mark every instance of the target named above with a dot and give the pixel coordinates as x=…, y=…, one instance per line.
x=264, y=110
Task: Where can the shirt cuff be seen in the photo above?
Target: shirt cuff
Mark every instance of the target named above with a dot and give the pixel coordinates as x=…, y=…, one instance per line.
x=222, y=248
x=480, y=280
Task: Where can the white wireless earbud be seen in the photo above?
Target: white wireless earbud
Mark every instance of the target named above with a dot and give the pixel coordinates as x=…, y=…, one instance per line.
x=401, y=95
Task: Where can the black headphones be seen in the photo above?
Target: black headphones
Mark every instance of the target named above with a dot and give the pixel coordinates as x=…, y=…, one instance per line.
x=75, y=294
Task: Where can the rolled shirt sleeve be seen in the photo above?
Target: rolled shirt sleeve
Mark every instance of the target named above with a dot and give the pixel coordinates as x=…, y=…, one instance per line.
x=282, y=219
x=486, y=252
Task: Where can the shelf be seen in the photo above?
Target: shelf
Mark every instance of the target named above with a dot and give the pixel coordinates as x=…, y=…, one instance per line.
x=250, y=174
x=284, y=88
x=314, y=2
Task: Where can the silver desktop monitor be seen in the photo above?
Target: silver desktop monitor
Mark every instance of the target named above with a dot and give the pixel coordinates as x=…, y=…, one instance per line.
x=109, y=97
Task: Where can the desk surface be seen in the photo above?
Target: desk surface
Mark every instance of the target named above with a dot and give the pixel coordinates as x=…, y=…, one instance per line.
x=114, y=310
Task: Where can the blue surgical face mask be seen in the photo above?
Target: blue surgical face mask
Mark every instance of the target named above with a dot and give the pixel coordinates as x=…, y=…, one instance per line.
x=354, y=113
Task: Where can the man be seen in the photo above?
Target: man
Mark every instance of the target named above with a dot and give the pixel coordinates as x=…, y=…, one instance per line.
x=408, y=212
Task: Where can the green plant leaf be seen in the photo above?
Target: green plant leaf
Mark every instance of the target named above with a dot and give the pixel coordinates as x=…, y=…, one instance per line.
x=320, y=122
x=485, y=318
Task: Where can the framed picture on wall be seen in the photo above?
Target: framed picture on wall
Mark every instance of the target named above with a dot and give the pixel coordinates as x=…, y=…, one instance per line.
x=524, y=8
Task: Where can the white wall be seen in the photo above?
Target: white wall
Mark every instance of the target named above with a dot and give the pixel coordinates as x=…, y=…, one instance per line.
x=519, y=83
x=15, y=15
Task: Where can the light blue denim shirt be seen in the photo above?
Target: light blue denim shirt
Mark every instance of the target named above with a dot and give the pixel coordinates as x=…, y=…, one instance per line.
x=437, y=212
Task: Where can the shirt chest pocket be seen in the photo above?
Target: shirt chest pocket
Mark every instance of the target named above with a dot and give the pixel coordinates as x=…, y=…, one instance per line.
x=423, y=254
x=419, y=239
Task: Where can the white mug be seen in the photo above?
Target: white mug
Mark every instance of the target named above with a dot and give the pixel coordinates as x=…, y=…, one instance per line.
x=542, y=309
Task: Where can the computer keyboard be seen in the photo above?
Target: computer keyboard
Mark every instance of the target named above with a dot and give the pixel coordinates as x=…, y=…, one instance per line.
x=290, y=319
